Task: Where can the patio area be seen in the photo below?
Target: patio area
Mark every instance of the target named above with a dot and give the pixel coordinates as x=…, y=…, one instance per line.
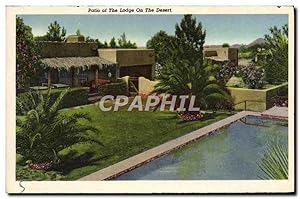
x=276, y=112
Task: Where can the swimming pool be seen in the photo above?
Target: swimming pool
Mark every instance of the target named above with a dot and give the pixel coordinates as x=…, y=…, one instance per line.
x=231, y=153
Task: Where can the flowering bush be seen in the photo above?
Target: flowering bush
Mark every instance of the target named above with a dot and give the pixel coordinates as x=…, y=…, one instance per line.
x=190, y=116
x=27, y=56
x=27, y=174
x=281, y=101
x=224, y=72
x=157, y=70
x=253, y=77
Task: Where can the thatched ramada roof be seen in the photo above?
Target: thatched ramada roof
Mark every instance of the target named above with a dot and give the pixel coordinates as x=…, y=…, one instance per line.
x=77, y=62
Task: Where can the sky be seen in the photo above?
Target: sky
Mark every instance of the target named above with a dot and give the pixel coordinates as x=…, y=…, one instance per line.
x=232, y=29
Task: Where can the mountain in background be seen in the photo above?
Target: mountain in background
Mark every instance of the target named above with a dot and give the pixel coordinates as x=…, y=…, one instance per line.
x=212, y=46
x=259, y=41
x=236, y=46
x=220, y=46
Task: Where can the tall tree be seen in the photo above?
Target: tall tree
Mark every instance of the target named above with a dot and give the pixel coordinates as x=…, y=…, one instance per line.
x=184, y=73
x=99, y=43
x=78, y=33
x=276, y=53
x=190, y=38
x=104, y=45
x=113, y=43
x=27, y=58
x=160, y=42
x=56, y=32
x=124, y=43
x=40, y=38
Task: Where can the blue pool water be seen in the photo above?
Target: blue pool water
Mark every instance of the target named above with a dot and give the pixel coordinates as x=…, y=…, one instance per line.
x=229, y=154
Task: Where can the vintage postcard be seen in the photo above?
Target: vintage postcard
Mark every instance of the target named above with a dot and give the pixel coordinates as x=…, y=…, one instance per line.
x=150, y=99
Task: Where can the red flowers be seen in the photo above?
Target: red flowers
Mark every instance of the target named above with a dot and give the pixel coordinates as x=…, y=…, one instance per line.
x=190, y=116
x=40, y=166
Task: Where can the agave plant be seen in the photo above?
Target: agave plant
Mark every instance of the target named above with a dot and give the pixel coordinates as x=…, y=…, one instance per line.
x=44, y=130
x=274, y=163
x=187, y=78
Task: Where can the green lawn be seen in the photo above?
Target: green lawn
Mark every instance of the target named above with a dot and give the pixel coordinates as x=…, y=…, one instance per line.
x=123, y=135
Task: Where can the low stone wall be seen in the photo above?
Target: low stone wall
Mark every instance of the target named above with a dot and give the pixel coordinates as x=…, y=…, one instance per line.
x=257, y=100
x=146, y=86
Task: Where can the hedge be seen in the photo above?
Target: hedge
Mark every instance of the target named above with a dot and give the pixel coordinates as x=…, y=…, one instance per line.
x=75, y=97
x=114, y=89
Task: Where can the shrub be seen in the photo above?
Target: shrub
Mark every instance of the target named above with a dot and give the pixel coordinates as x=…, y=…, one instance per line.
x=226, y=45
x=276, y=53
x=45, y=130
x=224, y=72
x=187, y=78
x=253, y=76
x=114, y=89
x=26, y=174
x=283, y=91
x=279, y=98
x=281, y=101
x=75, y=97
x=190, y=116
x=157, y=70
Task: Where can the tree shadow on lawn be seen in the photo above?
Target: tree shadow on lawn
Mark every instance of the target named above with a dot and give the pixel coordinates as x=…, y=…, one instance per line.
x=73, y=160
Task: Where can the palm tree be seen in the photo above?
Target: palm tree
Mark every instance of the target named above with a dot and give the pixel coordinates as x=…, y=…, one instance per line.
x=184, y=72
x=274, y=163
x=187, y=78
x=44, y=130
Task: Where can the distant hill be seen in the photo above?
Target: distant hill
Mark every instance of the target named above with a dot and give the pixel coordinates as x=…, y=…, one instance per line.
x=212, y=46
x=220, y=46
x=236, y=46
x=258, y=41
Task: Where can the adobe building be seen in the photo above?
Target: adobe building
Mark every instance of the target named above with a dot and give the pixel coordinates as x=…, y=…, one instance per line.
x=76, y=62
x=221, y=55
x=132, y=62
